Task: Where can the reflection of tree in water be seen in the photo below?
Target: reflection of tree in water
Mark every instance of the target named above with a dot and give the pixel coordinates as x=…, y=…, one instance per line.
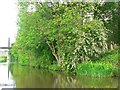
x=65, y=81
x=32, y=78
x=68, y=81
x=94, y=82
x=10, y=67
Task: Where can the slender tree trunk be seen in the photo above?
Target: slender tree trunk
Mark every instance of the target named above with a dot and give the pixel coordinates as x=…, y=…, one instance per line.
x=54, y=52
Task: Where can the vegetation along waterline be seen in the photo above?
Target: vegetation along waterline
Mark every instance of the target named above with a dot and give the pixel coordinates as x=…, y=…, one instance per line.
x=72, y=37
x=3, y=58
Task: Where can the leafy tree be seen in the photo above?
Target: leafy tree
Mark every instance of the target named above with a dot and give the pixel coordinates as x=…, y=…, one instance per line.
x=63, y=33
x=108, y=13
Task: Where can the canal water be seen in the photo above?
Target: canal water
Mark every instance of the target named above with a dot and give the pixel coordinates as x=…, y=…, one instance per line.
x=16, y=76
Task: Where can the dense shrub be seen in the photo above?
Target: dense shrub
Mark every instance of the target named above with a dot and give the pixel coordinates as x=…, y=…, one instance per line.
x=110, y=56
x=3, y=59
x=91, y=41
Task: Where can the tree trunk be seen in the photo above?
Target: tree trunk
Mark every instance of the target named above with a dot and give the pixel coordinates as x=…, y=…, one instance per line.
x=52, y=47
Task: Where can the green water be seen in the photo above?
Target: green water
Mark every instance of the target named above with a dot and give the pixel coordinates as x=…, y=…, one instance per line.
x=26, y=77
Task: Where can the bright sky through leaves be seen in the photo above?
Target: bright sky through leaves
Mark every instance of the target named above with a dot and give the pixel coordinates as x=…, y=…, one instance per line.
x=8, y=17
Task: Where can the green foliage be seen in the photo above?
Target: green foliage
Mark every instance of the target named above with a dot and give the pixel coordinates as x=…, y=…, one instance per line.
x=62, y=34
x=91, y=41
x=108, y=13
x=54, y=67
x=3, y=59
x=106, y=65
x=13, y=53
x=96, y=69
x=110, y=56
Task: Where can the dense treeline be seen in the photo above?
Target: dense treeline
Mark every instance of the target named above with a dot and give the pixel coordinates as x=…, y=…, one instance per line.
x=64, y=36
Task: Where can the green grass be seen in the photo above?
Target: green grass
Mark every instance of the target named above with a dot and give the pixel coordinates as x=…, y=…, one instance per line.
x=96, y=69
x=106, y=65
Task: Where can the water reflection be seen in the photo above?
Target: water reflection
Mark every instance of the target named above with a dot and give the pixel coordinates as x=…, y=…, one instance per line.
x=6, y=80
x=26, y=77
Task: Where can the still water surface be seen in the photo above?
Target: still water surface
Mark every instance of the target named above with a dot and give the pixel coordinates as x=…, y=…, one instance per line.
x=17, y=76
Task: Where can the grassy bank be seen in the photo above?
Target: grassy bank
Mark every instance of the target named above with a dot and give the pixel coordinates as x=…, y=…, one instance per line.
x=105, y=66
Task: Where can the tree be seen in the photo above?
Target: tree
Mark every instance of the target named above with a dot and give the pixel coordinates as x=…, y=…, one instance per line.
x=108, y=13
x=66, y=29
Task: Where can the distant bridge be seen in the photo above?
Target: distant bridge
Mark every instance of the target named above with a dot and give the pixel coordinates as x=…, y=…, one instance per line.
x=5, y=47
x=8, y=45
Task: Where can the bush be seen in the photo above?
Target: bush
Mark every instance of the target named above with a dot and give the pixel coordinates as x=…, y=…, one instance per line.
x=4, y=59
x=110, y=56
x=91, y=41
x=54, y=67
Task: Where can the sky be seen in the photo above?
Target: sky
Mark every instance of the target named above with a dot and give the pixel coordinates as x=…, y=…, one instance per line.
x=8, y=19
